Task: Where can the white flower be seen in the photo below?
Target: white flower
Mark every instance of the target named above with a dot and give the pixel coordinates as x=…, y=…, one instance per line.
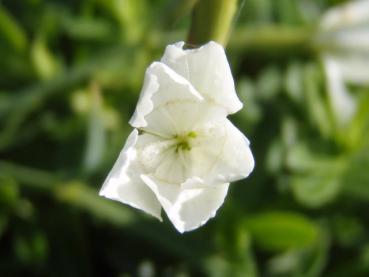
x=183, y=151
x=344, y=34
x=343, y=104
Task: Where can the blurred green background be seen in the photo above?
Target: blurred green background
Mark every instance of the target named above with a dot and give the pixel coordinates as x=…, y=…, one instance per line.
x=71, y=73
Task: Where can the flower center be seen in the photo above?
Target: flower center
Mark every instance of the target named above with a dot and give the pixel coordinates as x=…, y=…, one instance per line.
x=183, y=141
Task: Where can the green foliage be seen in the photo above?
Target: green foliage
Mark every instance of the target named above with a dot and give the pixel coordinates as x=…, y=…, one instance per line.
x=71, y=75
x=280, y=231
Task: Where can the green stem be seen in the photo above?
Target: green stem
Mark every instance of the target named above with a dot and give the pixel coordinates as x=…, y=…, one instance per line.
x=175, y=10
x=36, y=178
x=271, y=38
x=266, y=38
x=212, y=20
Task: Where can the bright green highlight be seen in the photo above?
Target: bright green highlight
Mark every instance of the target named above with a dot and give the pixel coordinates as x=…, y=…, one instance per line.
x=183, y=141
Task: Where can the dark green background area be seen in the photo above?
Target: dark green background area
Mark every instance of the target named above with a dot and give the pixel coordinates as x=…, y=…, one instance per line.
x=71, y=73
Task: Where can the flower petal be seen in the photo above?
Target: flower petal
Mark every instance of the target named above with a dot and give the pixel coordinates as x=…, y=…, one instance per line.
x=161, y=85
x=354, y=66
x=352, y=13
x=207, y=69
x=236, y=161
x=188, y=206
x=123, y=183
x=339, y=96
x=224, y=157
x=159, y=156
x=181, y=117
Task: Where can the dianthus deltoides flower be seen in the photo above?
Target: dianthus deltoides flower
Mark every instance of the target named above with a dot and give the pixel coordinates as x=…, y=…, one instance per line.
x=183, y=151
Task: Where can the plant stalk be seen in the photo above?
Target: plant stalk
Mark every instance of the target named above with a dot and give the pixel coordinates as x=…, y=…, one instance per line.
x=212, y=20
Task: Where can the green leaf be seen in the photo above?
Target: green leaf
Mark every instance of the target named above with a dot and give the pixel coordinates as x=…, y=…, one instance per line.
x=317, y=178
x=308, y=262
x=247, y=93
x=357, y=132
x=44, y=61
x=12, y=31
x=356, y=179
x=364, y=257
x=316, y=104
x=87, y=28
x=9, y=192
x=293, y=82
x=278, y=231
x=236, y=258
x=315, y=190
x=269, y=83
x=81, y=196
x=288, y=12
x=275, y=157
x=218, y=266
x=31, y=248
x=348, y=231
x=132, y=16
x=24, y=175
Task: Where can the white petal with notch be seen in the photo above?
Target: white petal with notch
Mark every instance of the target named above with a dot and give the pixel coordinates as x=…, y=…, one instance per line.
x=123, y=183
x=207, y=69
x=190, y=205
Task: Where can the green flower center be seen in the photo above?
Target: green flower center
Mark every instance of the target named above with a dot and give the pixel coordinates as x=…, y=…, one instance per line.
x=183, y=141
